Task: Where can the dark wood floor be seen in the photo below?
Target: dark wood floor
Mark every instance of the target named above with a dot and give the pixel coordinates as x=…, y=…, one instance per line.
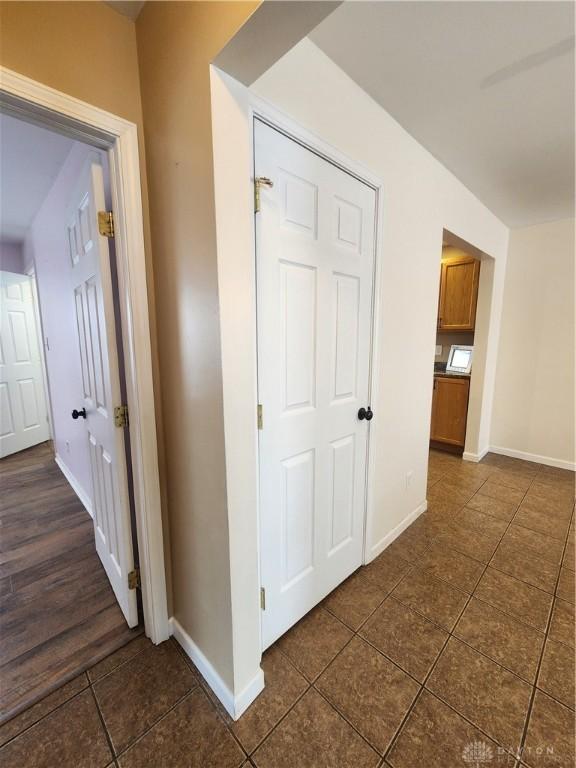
x=58, y=614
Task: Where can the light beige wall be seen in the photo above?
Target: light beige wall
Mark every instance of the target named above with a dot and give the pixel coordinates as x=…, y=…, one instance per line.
x=535, y=385
x=421, y=199
x=176, y=43
x=86, y=50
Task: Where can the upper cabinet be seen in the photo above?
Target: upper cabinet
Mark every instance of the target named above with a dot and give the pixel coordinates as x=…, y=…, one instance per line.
x=458, y=293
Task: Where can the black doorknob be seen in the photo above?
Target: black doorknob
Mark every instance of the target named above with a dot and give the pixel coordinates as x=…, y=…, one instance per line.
x=76, y=414
x=365, y=413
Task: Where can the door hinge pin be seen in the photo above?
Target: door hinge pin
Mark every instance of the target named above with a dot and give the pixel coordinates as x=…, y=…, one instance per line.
x=106, y=223
x=134, y=579
x=260, y=418
x=121, y=416
x=260, y=181
x=262, y=598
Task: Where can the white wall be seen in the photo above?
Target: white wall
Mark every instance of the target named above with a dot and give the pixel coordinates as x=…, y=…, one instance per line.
x=420, y=199
x=533, y=415
x=11, y=257
x=45, y=248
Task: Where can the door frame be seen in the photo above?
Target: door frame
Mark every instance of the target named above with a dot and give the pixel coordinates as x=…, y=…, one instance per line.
x=261, y=110
x=38, y=103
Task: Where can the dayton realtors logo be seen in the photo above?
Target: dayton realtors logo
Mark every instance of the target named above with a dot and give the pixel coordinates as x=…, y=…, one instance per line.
x=477, y=754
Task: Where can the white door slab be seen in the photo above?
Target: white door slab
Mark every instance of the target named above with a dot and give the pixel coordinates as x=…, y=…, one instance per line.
x=315, y=273
x=91, y=283
x=23, y=411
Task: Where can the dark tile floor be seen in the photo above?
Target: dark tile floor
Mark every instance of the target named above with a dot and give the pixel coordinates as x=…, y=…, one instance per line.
x=454, y=648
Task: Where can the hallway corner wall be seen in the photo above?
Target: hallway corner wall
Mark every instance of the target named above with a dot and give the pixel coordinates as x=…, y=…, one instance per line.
x=534, y=409
x=176, y=45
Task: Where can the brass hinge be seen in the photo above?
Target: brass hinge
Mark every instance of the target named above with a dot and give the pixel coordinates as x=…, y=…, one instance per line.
x=260, y=181
x=260, y=418
x=106, y=223
x=134, y=579
x=121, y=416
x=262, y=598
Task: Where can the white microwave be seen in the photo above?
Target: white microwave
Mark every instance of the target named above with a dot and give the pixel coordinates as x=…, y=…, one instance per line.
x=459, y=359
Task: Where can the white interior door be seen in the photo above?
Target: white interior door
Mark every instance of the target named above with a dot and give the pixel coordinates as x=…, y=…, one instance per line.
x=23, y=411
x=315, y=273
x=93, y=299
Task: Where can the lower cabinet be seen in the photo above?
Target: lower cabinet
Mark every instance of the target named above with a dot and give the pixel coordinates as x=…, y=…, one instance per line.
x=449, y=411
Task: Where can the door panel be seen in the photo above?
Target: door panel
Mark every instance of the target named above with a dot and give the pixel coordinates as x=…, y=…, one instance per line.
x=315, y=265
x=298, y=312
x=23, y=409
x=91, y=283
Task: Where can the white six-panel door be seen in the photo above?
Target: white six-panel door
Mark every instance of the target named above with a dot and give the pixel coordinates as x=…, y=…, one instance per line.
x=23, y=411
x=91, y=284
x=315, y=272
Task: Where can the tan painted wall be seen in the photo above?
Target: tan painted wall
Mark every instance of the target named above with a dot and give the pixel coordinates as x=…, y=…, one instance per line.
x=176, y=43
x=86, y=50
x=82, y=48
x=535, y=387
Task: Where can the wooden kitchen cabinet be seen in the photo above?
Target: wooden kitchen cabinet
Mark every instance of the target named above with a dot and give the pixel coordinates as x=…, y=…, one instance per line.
x=449, y=411
x=458, y=293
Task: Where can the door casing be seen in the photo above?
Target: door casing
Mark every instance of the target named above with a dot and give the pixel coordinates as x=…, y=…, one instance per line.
x=38, y=103
x=261, y=110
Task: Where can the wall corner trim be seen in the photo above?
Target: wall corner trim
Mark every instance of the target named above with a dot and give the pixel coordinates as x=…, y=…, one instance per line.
x=234, y=705
x=475, y=457
x=85, y=500
x=549, y=461
x=385, y=541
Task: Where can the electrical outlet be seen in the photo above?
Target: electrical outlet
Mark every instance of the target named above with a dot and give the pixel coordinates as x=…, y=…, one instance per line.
x=409, y=476
x=438, y=350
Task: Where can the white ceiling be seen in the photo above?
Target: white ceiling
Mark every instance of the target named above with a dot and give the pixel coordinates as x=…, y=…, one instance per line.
x=486, y=87
x=130, y=8
x=30, y=158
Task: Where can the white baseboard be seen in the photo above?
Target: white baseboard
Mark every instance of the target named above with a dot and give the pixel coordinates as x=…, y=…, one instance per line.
x=475, y=457
x=548, y=460
x=234, y=705
x=75, y=485
x=381, y=545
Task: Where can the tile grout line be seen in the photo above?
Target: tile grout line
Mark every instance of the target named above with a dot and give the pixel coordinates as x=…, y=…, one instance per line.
x=59, y=706
x=464, y=642
x=423, y=683
x=284, y=716
x=117, y=755
x=208, y=692
x=544, y=644
x=140, y=736
x=356, y=633
x=102, y=722
x=450, y=635
x=354, y=728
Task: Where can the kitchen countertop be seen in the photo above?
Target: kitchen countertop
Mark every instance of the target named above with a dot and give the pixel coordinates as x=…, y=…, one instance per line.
x=439, y=371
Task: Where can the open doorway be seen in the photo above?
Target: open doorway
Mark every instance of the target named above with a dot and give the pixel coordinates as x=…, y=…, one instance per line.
x=68, y=551
x=464, y=298
x=454, y=354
